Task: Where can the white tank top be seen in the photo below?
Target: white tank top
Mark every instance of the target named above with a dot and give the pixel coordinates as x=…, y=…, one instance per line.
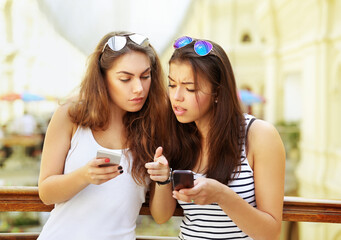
x=106, y=211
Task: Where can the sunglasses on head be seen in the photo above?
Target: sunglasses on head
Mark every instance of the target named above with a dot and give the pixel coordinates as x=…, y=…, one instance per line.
x=116, y=43
x=201, y=47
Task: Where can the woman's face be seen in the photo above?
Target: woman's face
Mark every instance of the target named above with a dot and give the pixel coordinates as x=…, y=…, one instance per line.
x=129, y=81
x=189, y=104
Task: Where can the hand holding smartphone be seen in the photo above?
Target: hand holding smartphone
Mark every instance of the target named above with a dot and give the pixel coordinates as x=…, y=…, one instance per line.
x=115, y=158
x=182, y=179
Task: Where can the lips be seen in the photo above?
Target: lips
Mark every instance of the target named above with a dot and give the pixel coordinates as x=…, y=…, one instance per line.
x=137, y=100
x=179, y=110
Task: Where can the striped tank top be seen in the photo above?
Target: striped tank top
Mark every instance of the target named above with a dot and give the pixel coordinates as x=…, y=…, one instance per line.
x=210, y=221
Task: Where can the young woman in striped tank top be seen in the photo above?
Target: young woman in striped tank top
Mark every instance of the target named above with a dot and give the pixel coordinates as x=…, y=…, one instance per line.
x=238, y=162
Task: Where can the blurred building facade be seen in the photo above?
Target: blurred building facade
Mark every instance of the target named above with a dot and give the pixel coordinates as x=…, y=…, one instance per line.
x=34, y=58
x=303, y=76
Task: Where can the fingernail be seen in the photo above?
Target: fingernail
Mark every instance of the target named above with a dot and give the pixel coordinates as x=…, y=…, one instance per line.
x=121, y=171
x=119, y=168
x=107, y=160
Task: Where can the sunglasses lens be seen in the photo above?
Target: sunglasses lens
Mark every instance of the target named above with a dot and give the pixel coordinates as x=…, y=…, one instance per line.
x=183, y=41
x=116, y=43
x=139, y=39
x=202, y=48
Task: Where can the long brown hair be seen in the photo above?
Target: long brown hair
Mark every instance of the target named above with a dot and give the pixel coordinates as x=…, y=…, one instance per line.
x=227, y=126
x=92, y=109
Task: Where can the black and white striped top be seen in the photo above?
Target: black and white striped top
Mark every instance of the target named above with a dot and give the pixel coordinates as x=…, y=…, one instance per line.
x=210, y=221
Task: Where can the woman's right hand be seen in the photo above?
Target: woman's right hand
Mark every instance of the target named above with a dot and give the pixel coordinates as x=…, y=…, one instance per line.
x=96, y=174
x=159, y=169
x=161, y=203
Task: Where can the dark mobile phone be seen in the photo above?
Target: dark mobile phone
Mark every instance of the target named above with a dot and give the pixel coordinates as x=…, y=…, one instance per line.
x=182, y=179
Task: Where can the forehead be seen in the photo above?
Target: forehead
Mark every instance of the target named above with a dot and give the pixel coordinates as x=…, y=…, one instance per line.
x=182, y=71
x=131, y=62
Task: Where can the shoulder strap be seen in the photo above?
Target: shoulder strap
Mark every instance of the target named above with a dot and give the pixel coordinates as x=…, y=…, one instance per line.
x=247, y=131
x=248, y=126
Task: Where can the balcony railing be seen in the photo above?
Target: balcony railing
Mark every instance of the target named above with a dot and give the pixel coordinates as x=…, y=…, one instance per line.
x=295, y=209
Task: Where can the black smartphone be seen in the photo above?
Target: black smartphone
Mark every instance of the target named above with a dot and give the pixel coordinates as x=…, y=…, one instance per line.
x=182, y=179
x=115, y=158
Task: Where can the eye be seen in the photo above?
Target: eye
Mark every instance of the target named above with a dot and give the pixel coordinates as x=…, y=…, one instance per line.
x=171, y=85
x=190, y=90
x=145, y=77
x=124, y=79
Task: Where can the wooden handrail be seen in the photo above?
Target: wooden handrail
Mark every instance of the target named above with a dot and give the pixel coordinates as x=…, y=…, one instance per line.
x=295, y=209
x=298, y=209
x=21, y=199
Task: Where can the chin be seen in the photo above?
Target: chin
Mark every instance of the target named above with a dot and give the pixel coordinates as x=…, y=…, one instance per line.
x=134, y=109
x=183, y=119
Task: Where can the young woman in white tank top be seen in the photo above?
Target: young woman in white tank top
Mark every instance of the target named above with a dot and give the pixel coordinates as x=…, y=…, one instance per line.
x=121, y=100
x=239, y=167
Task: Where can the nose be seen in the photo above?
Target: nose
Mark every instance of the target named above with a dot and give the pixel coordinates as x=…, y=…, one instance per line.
x=178, y=96
x=137, y=87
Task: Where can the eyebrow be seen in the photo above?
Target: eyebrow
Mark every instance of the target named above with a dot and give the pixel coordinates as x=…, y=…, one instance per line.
x=131, y=74
x=185, y=83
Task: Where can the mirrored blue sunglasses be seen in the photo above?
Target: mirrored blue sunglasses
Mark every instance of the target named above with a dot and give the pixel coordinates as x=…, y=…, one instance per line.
x=201, y=47
x=116, y=43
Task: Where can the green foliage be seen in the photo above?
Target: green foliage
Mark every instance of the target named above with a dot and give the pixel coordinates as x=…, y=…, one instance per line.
x=290, y=134
x=146, y=226
x=24, y=221
x=17, y=221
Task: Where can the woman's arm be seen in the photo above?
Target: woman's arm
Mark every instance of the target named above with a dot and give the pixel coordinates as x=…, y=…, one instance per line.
x=267, y=156
x=54, y=186
x=162, y=205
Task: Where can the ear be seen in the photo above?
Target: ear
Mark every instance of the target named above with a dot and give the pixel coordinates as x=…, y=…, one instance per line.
x=215, y=94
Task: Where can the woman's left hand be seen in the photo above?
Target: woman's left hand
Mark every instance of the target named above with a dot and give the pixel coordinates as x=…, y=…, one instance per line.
x=205, y=191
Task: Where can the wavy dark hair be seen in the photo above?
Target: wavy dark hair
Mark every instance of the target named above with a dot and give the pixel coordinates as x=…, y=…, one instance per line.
x=227, y=124
x=92, y=109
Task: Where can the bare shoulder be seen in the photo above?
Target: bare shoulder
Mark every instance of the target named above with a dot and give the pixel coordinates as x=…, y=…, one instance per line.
x=263, y=138
x=63, y=109
x=261, y=131
x=62, y=113
x=61, y=118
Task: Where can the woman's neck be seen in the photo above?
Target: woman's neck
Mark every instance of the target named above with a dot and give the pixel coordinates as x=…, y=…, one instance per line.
x=114, y=136
x=202, y=162
x=203, y=126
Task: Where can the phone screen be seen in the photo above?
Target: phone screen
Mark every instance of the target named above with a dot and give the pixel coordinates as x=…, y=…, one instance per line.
x=182, y=179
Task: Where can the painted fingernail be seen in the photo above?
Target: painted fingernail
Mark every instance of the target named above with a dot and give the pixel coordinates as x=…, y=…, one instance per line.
x=119, y=168
x=121, y=171
x=107, y=160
